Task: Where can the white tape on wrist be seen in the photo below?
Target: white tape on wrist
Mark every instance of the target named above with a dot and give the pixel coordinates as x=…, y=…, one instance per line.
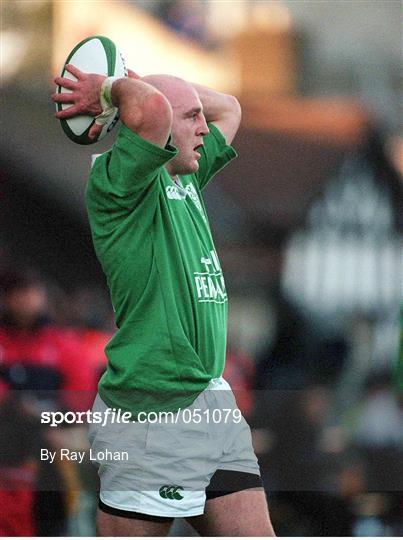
x=108, y=108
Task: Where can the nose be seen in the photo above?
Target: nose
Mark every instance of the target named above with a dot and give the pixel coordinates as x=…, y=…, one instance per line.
x=203, y=128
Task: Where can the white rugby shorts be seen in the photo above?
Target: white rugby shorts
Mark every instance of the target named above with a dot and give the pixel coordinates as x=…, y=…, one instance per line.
x=162, y=468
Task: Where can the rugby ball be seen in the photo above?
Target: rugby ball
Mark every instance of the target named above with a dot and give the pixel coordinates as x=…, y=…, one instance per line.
x=96, y=54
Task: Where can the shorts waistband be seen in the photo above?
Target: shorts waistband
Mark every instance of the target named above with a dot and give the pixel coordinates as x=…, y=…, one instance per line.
x=218, y=384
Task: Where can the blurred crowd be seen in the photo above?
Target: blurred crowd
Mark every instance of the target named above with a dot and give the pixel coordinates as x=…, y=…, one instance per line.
x=328, y=469
x=51, y=357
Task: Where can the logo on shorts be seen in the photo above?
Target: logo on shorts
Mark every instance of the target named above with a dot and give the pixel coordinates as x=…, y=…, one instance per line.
x=171, y=492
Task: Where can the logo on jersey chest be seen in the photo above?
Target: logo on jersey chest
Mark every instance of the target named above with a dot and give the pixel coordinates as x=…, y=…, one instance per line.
x=178, y=193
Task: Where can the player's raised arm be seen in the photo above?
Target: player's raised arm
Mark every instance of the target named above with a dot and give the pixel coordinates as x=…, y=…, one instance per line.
x=223, y=110
x=142, y=108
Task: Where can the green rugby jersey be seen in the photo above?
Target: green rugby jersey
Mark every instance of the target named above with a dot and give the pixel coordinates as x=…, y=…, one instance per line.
x=154, y=243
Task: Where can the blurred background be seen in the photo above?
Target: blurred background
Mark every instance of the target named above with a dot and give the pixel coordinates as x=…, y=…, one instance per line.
x=307, y=223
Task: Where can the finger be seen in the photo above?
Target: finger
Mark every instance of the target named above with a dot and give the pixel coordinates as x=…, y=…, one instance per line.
x=74, y=71
x=63, y=97
x=132, y=74
x=68, y=113
x=94, y=131
x=65, y=83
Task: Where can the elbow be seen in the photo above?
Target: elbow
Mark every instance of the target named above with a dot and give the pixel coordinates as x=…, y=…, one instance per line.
x=235, y=107
x=156, y=108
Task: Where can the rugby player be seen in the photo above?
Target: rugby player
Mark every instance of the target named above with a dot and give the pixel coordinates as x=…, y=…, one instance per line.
x=152, y=237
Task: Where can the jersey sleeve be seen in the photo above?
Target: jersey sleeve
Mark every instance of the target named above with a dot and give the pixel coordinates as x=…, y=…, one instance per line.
x=129, y=169
x=215, y=154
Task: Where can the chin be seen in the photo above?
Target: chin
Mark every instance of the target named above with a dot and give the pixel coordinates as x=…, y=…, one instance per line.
x=194, y=166
x=189, y=169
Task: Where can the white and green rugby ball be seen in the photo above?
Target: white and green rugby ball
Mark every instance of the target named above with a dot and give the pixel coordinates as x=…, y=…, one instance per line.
x=96, y=54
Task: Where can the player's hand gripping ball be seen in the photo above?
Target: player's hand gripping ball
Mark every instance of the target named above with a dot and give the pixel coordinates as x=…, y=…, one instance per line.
x=78, y=91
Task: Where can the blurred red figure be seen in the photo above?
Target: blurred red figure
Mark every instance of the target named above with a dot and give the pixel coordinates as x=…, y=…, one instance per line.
x=93, y=344
x=42, y=366
x=92, y=320
x=18, y=474
x=34, y=353
x=16, y=490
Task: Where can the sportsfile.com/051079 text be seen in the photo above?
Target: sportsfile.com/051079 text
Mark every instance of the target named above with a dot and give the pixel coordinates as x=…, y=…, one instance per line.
x=112, y=415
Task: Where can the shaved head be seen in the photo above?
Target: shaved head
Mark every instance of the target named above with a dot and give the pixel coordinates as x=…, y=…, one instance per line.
x=174, y=89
